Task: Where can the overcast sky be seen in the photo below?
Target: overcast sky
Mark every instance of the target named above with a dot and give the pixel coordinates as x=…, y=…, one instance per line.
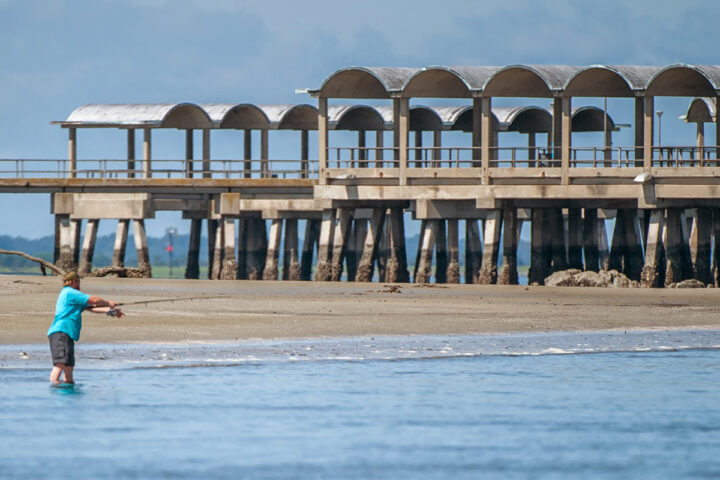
x=57, y=55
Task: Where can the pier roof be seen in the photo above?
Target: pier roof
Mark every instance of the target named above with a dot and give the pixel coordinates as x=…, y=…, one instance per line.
x=145, y=115
x=701, y=110
x=522, y=81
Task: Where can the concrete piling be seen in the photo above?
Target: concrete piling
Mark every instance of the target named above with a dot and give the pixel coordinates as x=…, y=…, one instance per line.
x=491, y=247
x=270, y=272
x=397, y=269
x=141, y=246
x=453, y=268
x=701, y=245
x=119, y=248
x=192, y=268
x=291, y=265
x=424, y=268
x=218, y=251
x=257, y=247
x=88, y=247
x=441, y=257
x=473, y=251
x=575, y=238
x=372, y=239
x=212, y=226
x=539, y=249
x=509, y=274
x=323, y=270
x=653, y=272
x=340, y=240
x=590, y=238
x=229, y=270
x=312, y=235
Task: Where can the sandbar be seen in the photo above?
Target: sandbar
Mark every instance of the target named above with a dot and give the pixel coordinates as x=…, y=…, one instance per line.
x=246, y=310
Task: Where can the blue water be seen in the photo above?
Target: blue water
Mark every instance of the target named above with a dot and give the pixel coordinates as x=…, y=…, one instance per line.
x=588, y=405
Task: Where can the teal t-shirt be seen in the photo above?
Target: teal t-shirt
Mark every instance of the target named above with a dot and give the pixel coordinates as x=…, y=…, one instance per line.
x=68, y=312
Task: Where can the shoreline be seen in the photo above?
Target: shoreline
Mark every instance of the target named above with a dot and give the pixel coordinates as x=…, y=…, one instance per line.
x=257, y=310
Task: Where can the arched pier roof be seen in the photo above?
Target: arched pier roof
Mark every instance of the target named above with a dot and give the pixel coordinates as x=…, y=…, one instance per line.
x=685, y=80
x=591, y=119
x=355, y=117
x=144, y=115
x=528, y=80
x=447, y=82
x=701, y=110
x=365, y=82
x=238, y=116
x=609, y=81
x=527, y=119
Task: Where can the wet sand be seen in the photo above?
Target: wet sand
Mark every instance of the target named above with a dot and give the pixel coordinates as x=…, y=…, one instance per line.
x=264, y=310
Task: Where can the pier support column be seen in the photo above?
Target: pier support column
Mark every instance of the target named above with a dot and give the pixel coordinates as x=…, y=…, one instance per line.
x=441, y=253
x=141, y=246
x=242, y=255
x=473, y=251
x=212, y=226
x=491, y=248
x=626, y=251
x=291, y=265
x=355, y=246
x=539, y=247
x=716, y=249
x=424, y=269
x=257, y=246
x=653, y=272
x=701, y=244
x=323, y=272
x=603, y=245
x=310, y=242
x=192, y=269
x=382, y=250
x=273, y=250
x=67, y=234
x=121, y=235
x=557, y=239
x=340, y=239
x=590, y=240
x=397, y=268
x=88, y=247
x=218, y=251
x=372, y=239
x=677, y=251
x=508, y=274
x=575, y=238
x=229, y=269
x=453, y=268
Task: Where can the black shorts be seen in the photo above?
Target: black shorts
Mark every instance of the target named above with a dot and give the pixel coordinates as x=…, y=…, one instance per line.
x=62, y=348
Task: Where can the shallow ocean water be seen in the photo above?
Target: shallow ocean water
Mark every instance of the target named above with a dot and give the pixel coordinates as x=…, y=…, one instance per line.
x=565, y=405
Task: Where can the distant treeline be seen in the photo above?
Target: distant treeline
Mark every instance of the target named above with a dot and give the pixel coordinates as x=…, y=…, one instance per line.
x=43, y=248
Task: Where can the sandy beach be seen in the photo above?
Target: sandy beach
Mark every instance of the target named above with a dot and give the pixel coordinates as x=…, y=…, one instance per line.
x=261, y=310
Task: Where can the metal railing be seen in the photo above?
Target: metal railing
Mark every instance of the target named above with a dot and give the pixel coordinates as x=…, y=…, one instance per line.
x=160, y=168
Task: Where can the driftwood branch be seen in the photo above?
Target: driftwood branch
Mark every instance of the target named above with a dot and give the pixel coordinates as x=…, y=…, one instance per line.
x=43, y=263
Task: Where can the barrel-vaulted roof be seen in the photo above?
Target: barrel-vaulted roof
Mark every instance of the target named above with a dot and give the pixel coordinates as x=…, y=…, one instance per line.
x=355, y=117
x=365, y=82
x=523, y=81
x=609, y=81
x=701, y=110
x=148, y=115
x=447, y=82
x=685, y=80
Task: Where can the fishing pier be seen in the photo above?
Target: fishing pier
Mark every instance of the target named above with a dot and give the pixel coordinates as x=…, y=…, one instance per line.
x=362, y=166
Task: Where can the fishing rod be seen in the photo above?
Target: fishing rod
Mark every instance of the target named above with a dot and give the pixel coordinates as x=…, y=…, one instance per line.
x=181, y=299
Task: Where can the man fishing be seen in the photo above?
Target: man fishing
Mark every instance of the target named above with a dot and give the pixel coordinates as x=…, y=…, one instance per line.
x=65, y=329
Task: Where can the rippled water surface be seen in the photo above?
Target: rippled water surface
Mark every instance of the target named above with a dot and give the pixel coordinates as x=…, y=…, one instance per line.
x=576, y=405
